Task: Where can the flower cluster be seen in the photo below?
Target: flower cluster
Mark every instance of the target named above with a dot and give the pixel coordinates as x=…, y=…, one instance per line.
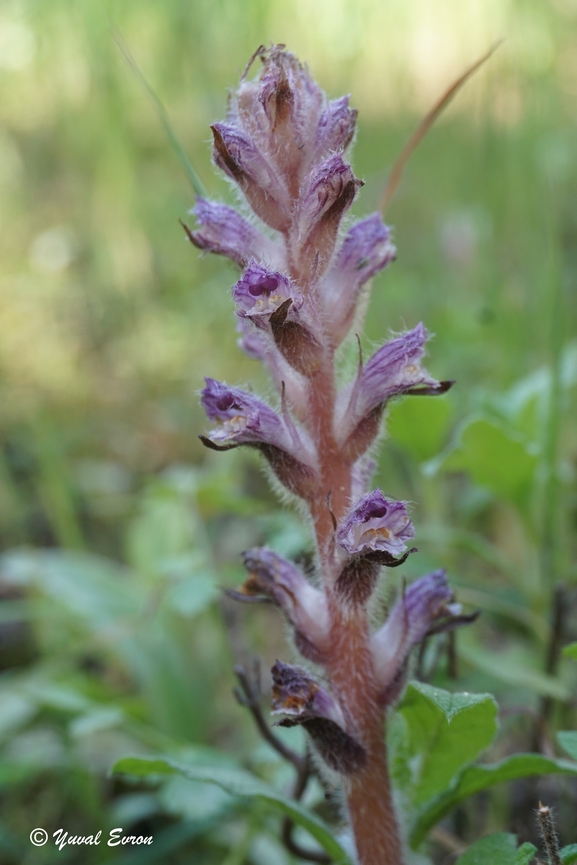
x=303, y=277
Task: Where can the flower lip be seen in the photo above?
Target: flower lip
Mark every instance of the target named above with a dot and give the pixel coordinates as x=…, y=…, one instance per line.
x=260, y=292
x=376, y=524
x=241, y=417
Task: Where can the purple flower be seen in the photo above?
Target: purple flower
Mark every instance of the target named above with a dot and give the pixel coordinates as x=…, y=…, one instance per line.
x=394, y=369
x=336, y=127
x=304, y=606
x=260, y=292
x=271, y=302
x=236, y=155
x=376, y=524
x=244, y=419
x=224, y=231
x=297, y=695
x=365, y=251
x=327, y=194
x=421, y=604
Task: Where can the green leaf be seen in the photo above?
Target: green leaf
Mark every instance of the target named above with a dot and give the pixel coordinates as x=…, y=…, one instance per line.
x=442, y=733
x=569, y=854
x=571, y=651
x=476, y=778
x=237, y=782
x=498, y=849
x=568, y=741
x=525, y=854
x=496, y=457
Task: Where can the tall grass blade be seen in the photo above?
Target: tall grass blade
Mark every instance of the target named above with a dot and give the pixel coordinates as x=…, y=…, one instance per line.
x=162, y=114
x=424, y=126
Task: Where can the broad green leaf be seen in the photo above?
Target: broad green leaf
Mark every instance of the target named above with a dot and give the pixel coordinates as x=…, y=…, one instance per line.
x=476, y=778
x=571, y=651
x=498, y=849
x=525, y=854
x=443, y=732
x=568, y=741
x=569, y=854
x=238, y=783
x=496, y=457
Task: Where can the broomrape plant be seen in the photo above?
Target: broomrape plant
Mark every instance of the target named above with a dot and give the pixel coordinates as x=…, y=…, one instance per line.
x=302, y=292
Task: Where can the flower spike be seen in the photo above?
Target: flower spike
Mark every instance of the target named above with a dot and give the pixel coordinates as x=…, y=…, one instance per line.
x=303, y=288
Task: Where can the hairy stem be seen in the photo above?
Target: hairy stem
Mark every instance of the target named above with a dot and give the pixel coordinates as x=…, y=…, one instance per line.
x=350, y=666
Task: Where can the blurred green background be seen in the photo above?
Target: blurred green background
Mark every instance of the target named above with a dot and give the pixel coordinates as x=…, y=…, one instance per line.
x=118, y=529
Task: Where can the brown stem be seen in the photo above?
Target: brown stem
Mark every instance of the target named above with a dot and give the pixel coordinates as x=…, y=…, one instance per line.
x=350, y=664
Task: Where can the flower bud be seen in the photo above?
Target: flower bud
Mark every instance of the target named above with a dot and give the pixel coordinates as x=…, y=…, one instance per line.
x=225, y=232
x=297, y=695
x=394, y=369
x=280, y=111
x=304, y=606
x=327, y=194
x=237, y=156
x=421, y=604
x=365, y=251
x=336, y=128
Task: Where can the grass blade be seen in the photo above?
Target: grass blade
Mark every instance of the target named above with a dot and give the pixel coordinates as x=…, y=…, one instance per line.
x=162, y=114
x=424, y=126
